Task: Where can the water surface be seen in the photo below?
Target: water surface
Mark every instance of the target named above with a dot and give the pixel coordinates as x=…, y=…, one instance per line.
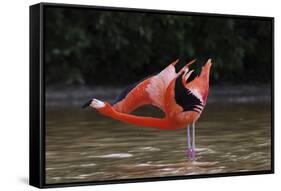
x=82, y=145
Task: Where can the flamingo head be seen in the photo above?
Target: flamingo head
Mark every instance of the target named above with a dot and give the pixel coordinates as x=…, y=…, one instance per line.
x=94, y=103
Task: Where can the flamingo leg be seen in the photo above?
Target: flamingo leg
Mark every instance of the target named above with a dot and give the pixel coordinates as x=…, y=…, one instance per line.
x=193, y=153
x=188, y=151
x=190, y=145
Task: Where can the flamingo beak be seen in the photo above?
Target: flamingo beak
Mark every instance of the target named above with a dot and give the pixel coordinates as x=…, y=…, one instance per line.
x=87, y=104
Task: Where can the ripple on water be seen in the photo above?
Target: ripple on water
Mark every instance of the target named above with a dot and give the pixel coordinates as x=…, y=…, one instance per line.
x=142, y=149
x=114, y=155
x=205, y=150
x=83, y=165
x=149, y=149
x=90, y=174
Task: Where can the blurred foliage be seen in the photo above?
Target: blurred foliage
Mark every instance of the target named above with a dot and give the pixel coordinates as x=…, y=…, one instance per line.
x=93, y=47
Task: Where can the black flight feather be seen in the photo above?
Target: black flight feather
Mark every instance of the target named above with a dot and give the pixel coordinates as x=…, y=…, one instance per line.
x=185, y=98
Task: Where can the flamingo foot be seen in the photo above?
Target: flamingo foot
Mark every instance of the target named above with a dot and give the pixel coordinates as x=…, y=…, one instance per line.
x=191, y=154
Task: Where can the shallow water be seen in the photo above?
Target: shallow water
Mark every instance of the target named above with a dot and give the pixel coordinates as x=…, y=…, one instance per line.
x=83, y=146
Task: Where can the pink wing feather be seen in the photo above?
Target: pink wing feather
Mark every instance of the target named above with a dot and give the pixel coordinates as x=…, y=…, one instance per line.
x=149, y=91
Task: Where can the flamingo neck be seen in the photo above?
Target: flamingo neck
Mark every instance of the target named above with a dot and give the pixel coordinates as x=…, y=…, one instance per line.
x=160, y=123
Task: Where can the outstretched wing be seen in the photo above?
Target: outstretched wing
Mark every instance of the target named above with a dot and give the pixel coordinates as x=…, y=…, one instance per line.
x=151, y=90
x=128, y=89
x=158, y=84
x=133, y=97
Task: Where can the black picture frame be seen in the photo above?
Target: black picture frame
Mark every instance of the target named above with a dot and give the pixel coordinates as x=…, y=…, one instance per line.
x=37, y=96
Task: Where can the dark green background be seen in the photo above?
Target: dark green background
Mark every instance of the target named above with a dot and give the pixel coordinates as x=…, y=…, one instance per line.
x=94, y=47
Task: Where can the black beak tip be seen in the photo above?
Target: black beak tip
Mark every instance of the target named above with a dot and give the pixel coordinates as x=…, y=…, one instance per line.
x=86, y=104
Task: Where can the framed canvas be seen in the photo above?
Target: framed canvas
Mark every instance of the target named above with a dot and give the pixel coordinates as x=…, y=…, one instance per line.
x=127, y=95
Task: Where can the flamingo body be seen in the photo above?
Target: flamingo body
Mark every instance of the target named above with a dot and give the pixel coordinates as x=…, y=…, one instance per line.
x=181, y=101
